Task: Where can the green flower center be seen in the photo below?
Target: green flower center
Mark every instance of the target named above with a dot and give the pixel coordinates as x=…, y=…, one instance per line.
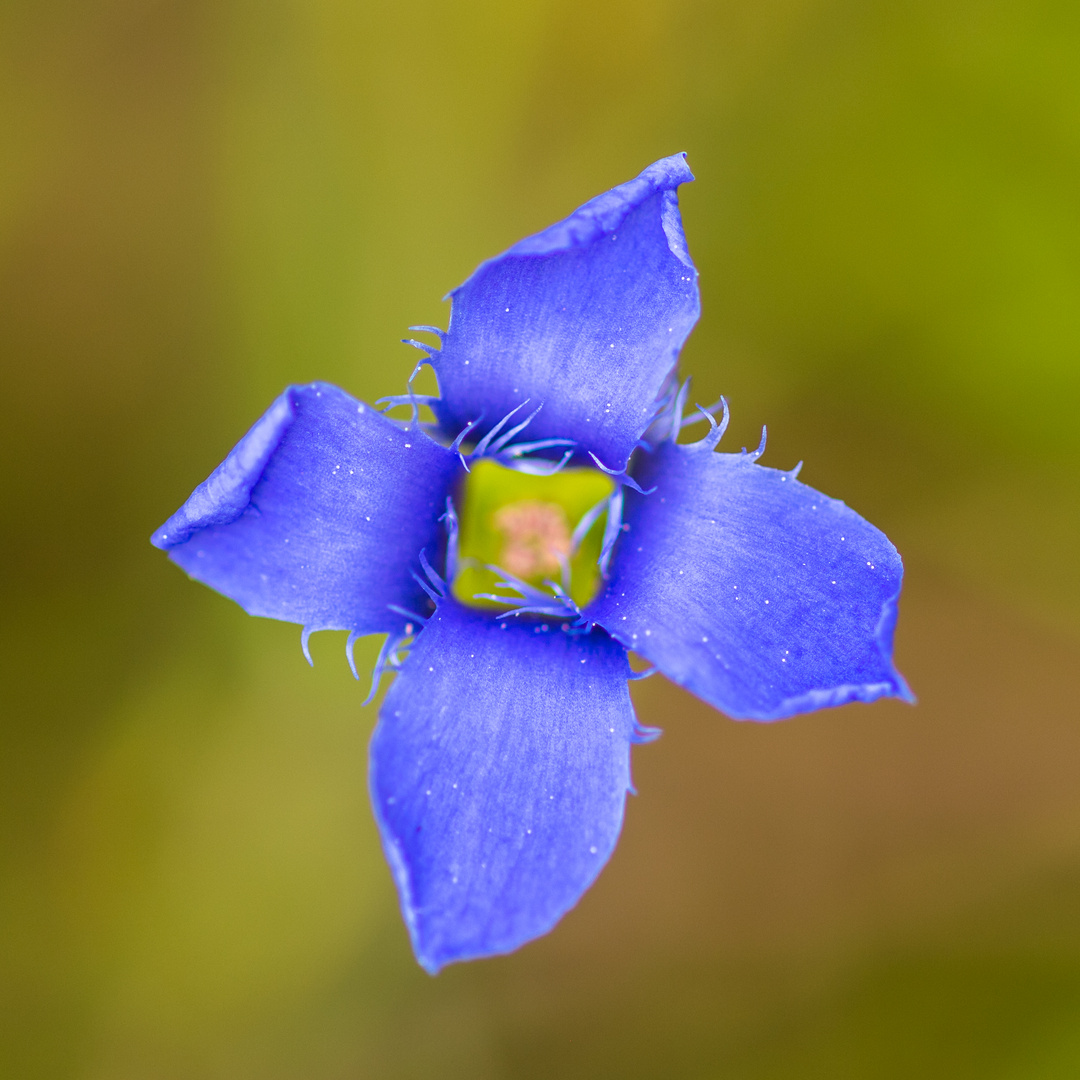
x=524, y=525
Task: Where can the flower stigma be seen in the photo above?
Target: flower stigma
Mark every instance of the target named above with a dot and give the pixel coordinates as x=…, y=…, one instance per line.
x=537, y=538
x=524, y=524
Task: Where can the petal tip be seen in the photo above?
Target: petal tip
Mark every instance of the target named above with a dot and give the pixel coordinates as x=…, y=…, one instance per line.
x=225, y=494
x=901, y=690
x=674, y=169
x=429, y=964
x=603, y=214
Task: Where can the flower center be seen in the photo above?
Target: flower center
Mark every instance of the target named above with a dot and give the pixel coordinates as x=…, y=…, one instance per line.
x=537, y=538
x=524, y=525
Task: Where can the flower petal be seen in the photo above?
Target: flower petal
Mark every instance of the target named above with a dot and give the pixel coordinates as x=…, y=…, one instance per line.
x=318, y=515
x=499, y=770
x=585, y=318
x=758, y=593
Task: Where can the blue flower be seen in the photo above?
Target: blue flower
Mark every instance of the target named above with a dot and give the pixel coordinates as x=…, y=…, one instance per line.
x=501, y=759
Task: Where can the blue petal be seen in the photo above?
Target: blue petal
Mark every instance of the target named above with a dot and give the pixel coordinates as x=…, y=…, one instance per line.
x=756, y=592
x=499, y=770
x=318, y=515
x=585, y=318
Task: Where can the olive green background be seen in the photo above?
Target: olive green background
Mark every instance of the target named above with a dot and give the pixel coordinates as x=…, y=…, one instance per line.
x=204, y=200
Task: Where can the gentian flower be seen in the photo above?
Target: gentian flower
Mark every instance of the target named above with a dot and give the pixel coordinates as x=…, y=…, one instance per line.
x=500, y=763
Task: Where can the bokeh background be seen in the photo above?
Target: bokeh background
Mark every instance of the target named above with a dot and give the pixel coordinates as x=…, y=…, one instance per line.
x=204, y=200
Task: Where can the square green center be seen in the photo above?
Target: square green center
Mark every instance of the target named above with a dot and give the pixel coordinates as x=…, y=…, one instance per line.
x=523, y=524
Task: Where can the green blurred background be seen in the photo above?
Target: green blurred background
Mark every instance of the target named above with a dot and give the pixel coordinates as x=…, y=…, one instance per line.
x=204, y=200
